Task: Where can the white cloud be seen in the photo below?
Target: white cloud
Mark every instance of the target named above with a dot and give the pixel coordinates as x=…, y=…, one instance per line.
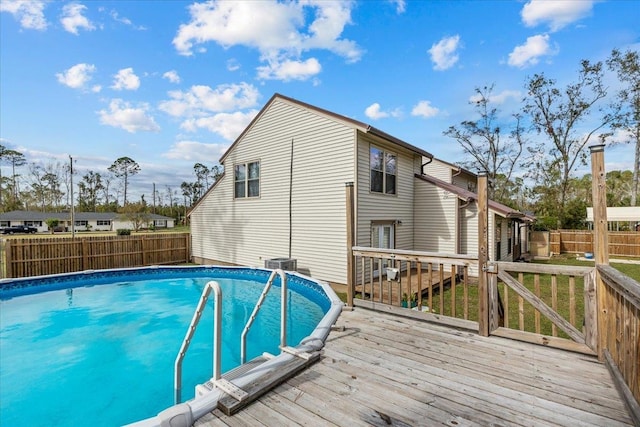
x=228, y=125
x=202, y=100
x=132, y=119
x=444, y=53
x=30, y=13
x=498, y=98
x=290, y=70
x=401, y=6
x=424, y=109
x=529, y=53
x=374, y=112
x=279, y=31
x=232, y=64
x=558, y=13
x=126, y=21
x=196, y=151
x=72, y=18
x=172, y=76
x=78, y=77
x=126, y=79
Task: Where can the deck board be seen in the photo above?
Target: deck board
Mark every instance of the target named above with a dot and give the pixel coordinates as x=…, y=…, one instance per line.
x=387, y=370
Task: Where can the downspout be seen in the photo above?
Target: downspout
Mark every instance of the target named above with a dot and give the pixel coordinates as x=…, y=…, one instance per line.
x=291, y=199
x=430, y=159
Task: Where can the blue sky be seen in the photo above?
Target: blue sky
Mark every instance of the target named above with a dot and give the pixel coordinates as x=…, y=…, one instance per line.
x=172, y=83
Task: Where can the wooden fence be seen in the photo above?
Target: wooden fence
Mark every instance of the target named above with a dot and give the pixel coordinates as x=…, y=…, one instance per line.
x=34, y=257
x=621, y=243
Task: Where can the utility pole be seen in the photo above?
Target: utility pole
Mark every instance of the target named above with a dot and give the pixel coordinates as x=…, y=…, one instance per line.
x=73, y=213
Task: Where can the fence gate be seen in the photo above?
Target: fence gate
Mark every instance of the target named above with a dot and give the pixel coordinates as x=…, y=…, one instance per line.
x=557, y=313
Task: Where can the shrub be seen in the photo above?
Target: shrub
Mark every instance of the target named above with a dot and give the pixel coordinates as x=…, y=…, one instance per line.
x=123, y=232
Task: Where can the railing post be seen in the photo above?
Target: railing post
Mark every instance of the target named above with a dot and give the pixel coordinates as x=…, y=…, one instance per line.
x=483, y=250
x=350, y=239
x=601, y=245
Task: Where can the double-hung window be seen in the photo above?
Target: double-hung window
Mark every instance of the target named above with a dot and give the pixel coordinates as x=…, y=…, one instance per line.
x=384, y=171
x=247, y=180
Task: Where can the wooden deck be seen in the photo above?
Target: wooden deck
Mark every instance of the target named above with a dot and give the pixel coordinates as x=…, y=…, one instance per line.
x=389, y=370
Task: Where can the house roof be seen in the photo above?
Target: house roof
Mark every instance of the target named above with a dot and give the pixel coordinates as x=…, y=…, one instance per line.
x=499, y=208
x=363, y=127
x=66, y=216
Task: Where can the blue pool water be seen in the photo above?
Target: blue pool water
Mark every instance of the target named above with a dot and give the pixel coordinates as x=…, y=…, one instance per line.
x=101, y=353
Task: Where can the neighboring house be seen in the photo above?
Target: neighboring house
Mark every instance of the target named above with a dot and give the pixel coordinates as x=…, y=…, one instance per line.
x=283, y=195
x=84, y=221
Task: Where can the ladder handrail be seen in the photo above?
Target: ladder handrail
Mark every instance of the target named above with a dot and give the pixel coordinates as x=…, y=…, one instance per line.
x=256, y=309
x=217, y=320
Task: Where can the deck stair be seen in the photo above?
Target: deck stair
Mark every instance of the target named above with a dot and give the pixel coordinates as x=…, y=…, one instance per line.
x=230, y=405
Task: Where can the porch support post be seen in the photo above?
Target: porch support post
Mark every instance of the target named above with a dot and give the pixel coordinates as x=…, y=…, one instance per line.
x=483, y=246
x=350, y=239
x=601, y=237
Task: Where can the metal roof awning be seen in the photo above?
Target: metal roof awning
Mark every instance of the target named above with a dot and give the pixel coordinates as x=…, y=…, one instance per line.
x=631, y=214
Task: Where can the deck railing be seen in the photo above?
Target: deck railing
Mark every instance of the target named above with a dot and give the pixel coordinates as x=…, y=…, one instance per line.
x=434, y=285
x=619, y=330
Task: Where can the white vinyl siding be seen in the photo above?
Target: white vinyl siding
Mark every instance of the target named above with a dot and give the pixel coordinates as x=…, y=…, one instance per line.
x=438, y=169
x=466, y=182
x=247, y=232
x=469, y=234
x=373, y=207
x=436, y=219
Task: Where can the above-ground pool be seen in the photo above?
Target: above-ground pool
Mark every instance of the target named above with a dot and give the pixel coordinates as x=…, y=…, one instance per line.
x=98, y=348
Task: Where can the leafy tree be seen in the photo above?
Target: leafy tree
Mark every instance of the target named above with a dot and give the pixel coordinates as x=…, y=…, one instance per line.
x=136, y=213
x=52, y=223
x=88, y=191
x=558, y=114
x=202, y=177
x=15, y=159
x=485, y=142
x=216, y=172
x=190, y=191
x=124, y=168
x=627, y=67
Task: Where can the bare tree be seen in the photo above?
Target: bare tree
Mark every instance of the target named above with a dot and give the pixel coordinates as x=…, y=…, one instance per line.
x=494, y=145
x=559, y=114
x=627, y=67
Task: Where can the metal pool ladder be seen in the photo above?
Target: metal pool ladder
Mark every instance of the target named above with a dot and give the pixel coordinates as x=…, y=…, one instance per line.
x=256, y=309
x=217, y=380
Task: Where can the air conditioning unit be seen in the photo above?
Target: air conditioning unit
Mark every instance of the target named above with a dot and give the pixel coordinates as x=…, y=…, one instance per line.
x=287, y=264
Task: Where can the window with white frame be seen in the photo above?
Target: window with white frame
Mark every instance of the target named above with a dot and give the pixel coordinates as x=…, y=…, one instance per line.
x=33, y=223
x=247, y=180
x=103, y=222
x=383, y=166
x=81, y=223
x=160, y=223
